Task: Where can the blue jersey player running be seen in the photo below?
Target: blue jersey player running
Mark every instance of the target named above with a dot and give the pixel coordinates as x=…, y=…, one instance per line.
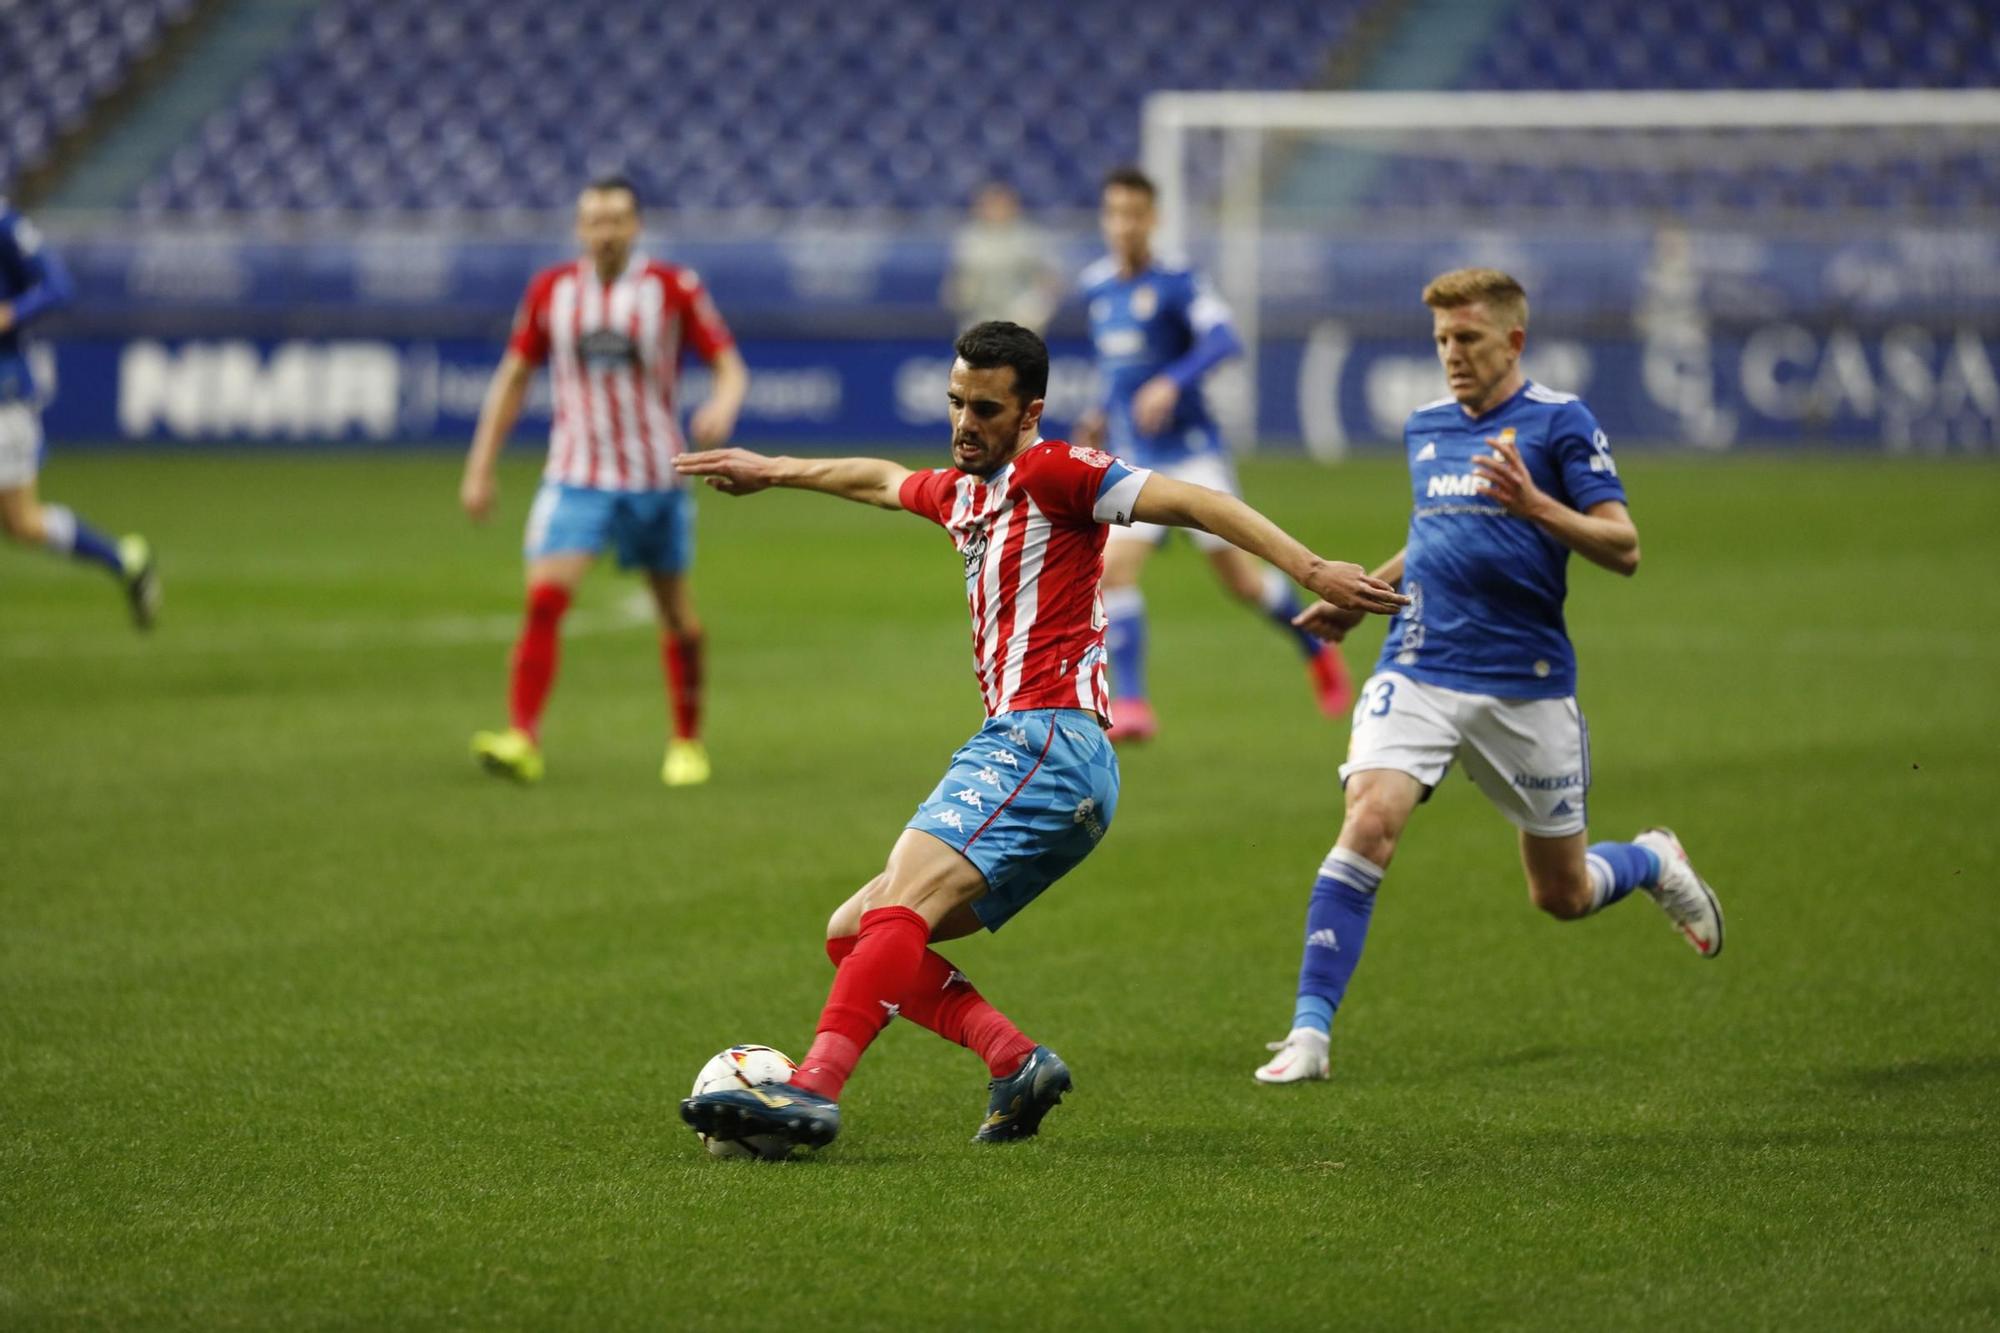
x=32, y=283
x=1507, y=479
x=1158, y=330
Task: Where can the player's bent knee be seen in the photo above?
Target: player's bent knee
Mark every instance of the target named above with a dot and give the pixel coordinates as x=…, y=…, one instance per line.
x=846, y=918
x=1564, y=899
x=1367, y=831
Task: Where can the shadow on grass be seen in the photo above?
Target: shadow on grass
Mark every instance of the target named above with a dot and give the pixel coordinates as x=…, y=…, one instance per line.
x=1911, y=1075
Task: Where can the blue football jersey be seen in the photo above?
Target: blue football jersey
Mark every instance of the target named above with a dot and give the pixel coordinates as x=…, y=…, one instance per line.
x=32, y=281
x=1140, y=326
x=1486, y=588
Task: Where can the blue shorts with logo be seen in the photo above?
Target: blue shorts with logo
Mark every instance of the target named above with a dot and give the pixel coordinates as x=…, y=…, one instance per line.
x=649, y=530
x=1024, y=800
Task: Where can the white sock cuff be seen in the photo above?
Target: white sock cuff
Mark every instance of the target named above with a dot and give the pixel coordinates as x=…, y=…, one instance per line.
x=1277, y=588
x=1124, y=602
x=1353, y=869
x=59, y=528
x=1601, y=879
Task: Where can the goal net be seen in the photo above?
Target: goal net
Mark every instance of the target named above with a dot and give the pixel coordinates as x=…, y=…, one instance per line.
x=1715, y=269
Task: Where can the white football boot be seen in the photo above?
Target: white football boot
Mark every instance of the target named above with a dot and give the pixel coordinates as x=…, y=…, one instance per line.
x=1683, y=895
x=1301, y=1056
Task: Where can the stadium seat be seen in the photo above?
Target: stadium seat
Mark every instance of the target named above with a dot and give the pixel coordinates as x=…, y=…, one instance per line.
x=558, y=93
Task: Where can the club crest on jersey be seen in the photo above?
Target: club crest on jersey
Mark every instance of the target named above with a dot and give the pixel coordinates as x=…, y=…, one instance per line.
x=974, y=550
x=1089, y=457
x=607, y=349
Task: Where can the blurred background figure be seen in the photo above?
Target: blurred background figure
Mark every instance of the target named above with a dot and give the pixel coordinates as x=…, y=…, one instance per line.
x=34, y=282
x=1001, y=264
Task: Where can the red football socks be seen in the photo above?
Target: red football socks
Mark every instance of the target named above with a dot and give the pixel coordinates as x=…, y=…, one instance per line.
x=535, y=656
x=867, y=988
x=946, y=1002
x=681, y=654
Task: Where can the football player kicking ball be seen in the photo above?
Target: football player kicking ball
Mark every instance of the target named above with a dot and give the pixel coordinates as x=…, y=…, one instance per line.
x=1034, y=790
x=1508, y=478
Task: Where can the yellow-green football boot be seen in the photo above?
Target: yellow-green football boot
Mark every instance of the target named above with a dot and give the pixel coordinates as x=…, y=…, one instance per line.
x=508, y=754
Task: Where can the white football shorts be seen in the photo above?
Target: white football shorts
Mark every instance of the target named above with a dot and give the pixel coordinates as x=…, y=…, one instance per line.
x=1530, y=756
x=1213, y=470
x=20, y=444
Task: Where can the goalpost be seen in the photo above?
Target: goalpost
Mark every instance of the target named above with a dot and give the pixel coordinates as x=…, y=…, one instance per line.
x=1749, y=216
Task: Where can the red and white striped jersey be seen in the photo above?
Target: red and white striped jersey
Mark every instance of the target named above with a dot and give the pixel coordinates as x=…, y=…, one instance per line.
x=614, y=353
x=1032, y=537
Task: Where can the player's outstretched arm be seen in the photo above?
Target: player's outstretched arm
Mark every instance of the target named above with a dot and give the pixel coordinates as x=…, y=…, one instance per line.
x=1604, y=536
x=497, y=415
x=1182, y=504
x=874, y=481
x=1332, y=623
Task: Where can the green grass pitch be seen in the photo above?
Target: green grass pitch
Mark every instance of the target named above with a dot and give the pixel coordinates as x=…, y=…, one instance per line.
x=305, y=1023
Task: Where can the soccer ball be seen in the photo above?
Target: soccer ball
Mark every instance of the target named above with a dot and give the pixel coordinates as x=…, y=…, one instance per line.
x=745, y=1067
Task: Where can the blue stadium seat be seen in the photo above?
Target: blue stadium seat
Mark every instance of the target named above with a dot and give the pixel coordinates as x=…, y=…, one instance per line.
x=551, y=93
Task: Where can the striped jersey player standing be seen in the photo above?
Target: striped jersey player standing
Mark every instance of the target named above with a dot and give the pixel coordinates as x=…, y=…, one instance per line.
x=34, y=282
x=612, y=327
x=1035, y=789
x=1507, y=478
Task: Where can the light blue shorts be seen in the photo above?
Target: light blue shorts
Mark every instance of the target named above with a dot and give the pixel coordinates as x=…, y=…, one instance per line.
x=649, y=530
x=1024, y=800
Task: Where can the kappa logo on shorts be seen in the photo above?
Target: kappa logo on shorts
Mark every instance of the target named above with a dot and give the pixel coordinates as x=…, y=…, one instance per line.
x=971, y=798
x=1018, y=735
x=1076, y=736
x=1003, y=757
x=950, y=819
x=990, y=778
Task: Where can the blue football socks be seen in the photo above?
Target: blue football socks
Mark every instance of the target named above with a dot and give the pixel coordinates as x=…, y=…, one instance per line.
x=66, y=534
x=1343, y=898
x=1617, y=868
x=1281, y=602
x=1125, y=640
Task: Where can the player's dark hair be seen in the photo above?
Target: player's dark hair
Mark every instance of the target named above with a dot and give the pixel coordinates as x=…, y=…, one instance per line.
x=617, y=180
x=998, y=343
x=1130, y=178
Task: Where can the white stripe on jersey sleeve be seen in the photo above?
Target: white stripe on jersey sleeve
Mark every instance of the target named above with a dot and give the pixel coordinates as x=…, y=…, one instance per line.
x=1096, y=271
x=1114, y=504
x=1207, y=310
